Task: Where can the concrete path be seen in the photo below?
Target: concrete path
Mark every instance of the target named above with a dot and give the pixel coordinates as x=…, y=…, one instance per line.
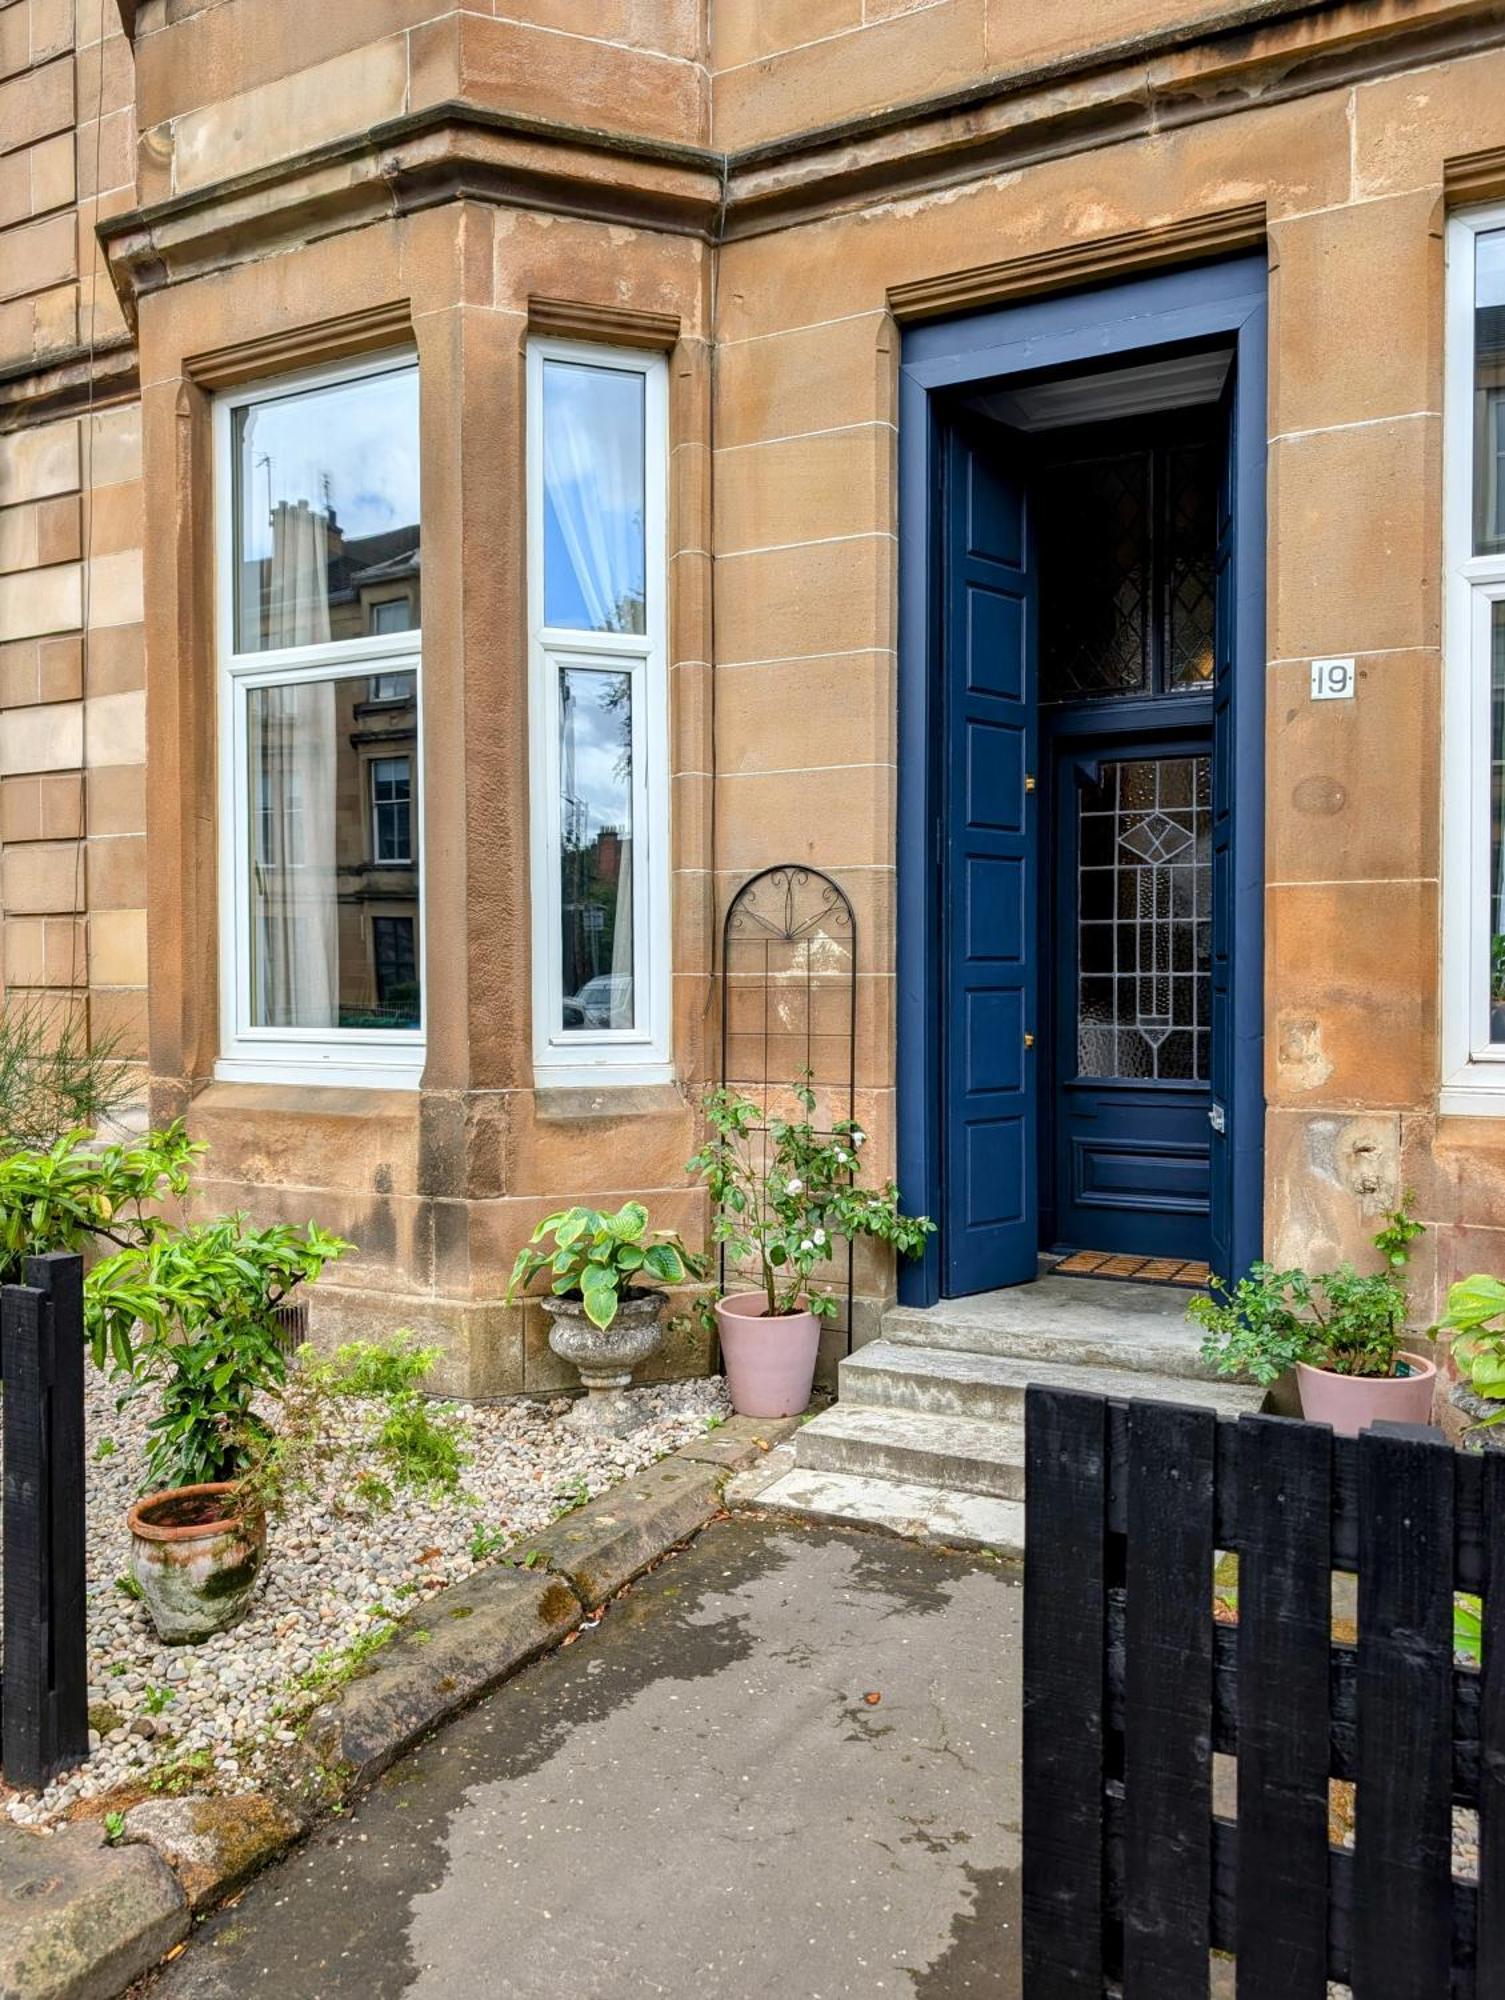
x=694, y=1798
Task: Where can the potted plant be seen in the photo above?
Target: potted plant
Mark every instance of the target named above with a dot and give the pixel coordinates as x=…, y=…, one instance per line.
x=1340, y=1331
x=74, y=1193
x=193, y=1312
x=1476, y=1319
x=783, y=1194
x=604, y=1305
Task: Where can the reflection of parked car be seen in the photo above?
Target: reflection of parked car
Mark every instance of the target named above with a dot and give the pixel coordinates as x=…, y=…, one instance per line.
x=598, y=1000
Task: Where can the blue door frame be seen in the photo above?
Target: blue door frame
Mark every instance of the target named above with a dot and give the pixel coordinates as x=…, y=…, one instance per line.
x=1224, y=301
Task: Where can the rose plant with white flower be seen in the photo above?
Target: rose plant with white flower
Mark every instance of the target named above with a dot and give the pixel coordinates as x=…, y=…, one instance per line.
x=784, y=1193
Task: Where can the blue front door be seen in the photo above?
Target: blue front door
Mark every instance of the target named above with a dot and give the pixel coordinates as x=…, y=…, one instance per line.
x=992, y=1226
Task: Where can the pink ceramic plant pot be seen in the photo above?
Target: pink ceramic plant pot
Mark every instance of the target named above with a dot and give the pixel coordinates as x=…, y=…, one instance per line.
x=770, y=1360
x=1351, y=1403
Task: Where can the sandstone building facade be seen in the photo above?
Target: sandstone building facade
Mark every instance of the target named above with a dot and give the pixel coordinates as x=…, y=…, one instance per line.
x=479, y=481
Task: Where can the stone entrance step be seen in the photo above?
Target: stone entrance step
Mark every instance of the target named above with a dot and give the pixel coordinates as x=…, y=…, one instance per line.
x=1080, y=1322
x=888, y=1374
x=957, y=1454
x=901, y=1507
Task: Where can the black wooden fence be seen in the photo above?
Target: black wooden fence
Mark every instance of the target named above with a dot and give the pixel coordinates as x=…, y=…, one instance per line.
x=1132, y=1874
x=44, y=1718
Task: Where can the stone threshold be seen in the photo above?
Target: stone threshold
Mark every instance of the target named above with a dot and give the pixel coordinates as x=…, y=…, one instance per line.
x=83, y=1919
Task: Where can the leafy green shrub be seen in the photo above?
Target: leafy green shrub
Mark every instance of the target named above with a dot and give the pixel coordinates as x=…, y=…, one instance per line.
x=598, y=1258
x=73, y=1194
x=419, y=1441
x=195, y=1311
x=373, y=1368
x=782, y=1207
x=1341, y=1321
x=1476, y=1319
x=55, y=1077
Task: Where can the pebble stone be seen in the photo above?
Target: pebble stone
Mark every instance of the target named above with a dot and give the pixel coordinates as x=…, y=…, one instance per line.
x=335, y=1571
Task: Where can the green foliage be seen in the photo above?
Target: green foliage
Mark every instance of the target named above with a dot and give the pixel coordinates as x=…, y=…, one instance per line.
x=373, y=1368
x=157, y=1698
x=1497, y=966
x=598, y=1258
x=332, y=1669
x=419, y=1442
x=55, y=1077
x=74, y=1193
x=785, y=1193
x=127, y=1585
x=194, y=1310
x=486, y=1542
x=114, y=1828
x=1349, y=1323
x=1476, y=1319
x=1468, y=1626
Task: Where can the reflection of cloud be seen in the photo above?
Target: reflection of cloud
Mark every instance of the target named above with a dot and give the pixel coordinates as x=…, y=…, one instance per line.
x=354, y=444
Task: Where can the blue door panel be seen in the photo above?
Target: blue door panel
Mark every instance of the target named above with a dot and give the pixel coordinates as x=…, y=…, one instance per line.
x=991, y=1225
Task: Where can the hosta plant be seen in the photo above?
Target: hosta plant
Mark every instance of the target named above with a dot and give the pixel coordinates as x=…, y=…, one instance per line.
x=1476, y=1319
x=598, y=1258
x=785, y=1192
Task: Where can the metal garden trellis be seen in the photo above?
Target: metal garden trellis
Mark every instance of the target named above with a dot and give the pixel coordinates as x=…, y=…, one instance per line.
x=789, y=1000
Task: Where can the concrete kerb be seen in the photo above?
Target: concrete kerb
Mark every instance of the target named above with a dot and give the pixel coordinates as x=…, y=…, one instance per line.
x=81, y=1919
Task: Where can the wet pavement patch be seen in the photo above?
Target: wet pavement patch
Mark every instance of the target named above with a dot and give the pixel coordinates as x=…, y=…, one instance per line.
x=787, y=1761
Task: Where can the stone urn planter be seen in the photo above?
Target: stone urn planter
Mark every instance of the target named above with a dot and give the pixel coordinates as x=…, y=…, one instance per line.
x=197, y=1558
x=1351, y=1403
x=1482, y=1426
x=770, y=1357
x=606, y=1356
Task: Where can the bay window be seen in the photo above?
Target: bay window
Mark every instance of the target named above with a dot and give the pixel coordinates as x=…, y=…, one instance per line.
x=597, y=477
x=319, y=719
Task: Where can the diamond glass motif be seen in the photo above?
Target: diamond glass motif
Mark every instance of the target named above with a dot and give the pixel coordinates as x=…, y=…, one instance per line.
x=1144, y=931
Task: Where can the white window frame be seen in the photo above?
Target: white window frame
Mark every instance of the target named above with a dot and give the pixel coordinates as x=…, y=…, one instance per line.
x=643, y=1053
x=387, y=1058
x=378, y=859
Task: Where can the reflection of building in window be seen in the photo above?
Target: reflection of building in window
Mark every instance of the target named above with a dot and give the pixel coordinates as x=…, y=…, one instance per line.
x=279, y=813
x=395, y=958
x=391, y=687
x=1489, y=419
x=392, y=809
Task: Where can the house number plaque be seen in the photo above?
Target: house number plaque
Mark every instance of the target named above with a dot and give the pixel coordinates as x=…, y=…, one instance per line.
x=1332, y=680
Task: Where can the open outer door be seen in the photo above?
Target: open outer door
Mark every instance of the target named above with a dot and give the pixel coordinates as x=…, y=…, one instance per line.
x=991, y=1217
x=1225, y=1108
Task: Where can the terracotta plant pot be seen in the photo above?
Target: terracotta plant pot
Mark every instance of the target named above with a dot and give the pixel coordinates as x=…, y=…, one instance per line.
x=770, y=1358
x=606, y=1356
x=1351, y=1403
x=197, y=1558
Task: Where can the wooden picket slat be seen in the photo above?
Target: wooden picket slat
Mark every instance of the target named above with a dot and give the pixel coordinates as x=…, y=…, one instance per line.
x=44, y=1725
x=1168, y=1702
x=1402, y=1920
x=1284, y=1747
x=1062, y=1871
x=1490, y=1946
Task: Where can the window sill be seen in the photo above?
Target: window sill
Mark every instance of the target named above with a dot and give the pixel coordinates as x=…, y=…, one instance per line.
x=556, y=1103
x=1475, y=1091
x=335, y=1074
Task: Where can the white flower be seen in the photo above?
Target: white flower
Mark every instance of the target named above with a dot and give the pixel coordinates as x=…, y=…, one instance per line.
x=795, y=1186
x=841, y=1158
x=858, y=1137
x=807, y=1248
x=820, y=1236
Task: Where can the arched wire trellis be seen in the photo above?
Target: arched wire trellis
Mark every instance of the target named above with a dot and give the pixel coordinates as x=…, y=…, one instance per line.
x=789, y=1003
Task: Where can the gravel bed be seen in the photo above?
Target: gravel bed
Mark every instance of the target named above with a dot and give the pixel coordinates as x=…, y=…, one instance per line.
x=206, y=1716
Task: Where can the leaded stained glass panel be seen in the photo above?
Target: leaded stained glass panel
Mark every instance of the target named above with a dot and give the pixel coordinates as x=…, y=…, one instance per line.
x=1191, y=536
x=1095, y=577
x=1144, y=930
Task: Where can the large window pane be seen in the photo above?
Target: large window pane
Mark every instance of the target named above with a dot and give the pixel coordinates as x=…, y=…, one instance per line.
x=594, y=551
x=333, y=859
x=326, y=513
x=1489, y=394
x=595, y=787
x=1497, y=826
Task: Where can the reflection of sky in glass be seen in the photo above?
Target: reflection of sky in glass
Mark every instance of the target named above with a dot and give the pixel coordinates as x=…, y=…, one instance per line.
x=596, y=719
x=352, y=447
x=1489, y=270
x=594, y=557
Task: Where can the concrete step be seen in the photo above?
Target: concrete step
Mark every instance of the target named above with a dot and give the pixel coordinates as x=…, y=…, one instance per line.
x=899, y=1507
x=990, y=1388
x=1079, y=1322
x=959, y=1454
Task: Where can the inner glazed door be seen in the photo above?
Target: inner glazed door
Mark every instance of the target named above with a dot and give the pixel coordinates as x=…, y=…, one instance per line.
x=1128, y=534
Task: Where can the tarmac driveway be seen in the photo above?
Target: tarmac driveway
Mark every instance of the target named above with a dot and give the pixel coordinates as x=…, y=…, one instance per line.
x=698, y=1797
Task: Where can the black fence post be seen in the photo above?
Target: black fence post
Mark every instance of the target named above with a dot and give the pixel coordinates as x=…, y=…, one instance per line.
x=44, y=1719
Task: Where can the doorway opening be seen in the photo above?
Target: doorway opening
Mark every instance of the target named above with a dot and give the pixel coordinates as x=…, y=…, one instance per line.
x=1080, y=1061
